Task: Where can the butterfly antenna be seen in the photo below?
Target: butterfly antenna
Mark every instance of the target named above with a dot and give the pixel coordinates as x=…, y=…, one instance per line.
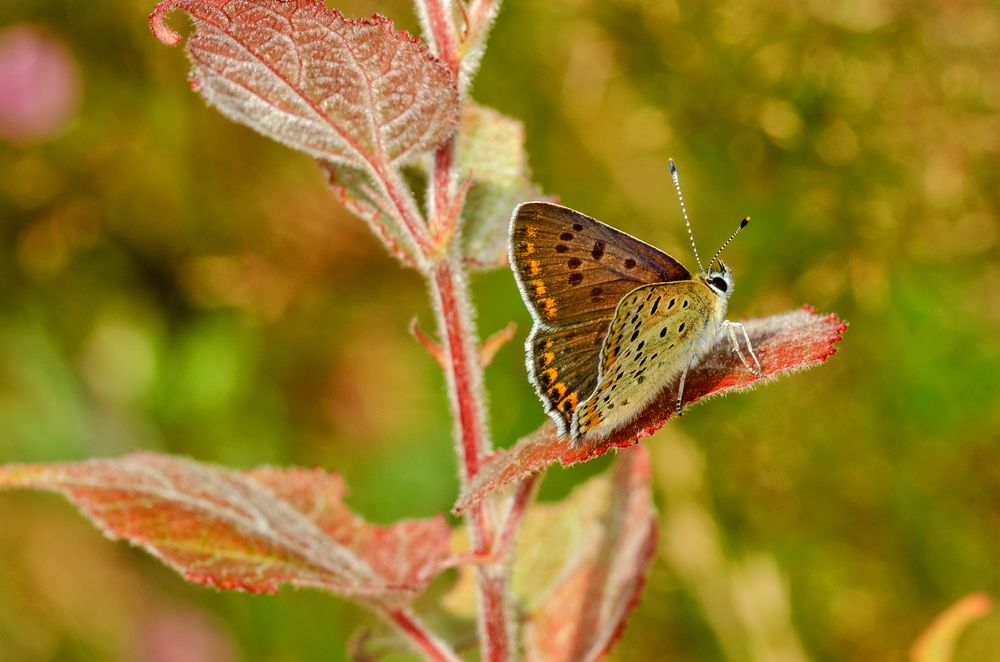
x=677, y=185
x=745, y=222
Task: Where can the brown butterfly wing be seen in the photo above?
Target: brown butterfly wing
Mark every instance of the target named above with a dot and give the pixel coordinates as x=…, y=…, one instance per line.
x=562, y=364
x=573, y=271
x=571, y=267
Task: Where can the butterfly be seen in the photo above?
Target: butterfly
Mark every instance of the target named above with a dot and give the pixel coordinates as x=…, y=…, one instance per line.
x=615, y=319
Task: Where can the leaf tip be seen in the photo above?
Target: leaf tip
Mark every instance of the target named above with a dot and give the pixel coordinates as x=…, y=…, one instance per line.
x=837, y=334
x=158, y=23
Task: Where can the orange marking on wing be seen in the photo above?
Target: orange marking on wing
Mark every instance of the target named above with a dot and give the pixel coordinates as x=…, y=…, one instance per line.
x=573, y=399
x=534, y=267
x=591, y=417
x=539, y=287
x=550, y=307
x=595, y=416
x=548, y=344
x=559, y=390
x=550, y=375
x=530, y=232
x=548, y=358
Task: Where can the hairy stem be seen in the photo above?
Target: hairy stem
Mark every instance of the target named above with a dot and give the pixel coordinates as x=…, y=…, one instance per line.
x=443, y=214
x=437, y=17
x=465, y=386
x=457, y=331
x=432, y=647
x=463, y=367
x=479, y=14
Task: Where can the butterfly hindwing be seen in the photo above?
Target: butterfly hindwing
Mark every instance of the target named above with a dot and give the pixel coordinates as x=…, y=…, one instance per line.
x=563, y=365
x=655, y=332
x=571, y=267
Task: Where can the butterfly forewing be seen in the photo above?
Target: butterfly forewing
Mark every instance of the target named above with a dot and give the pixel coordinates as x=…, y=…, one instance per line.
x=572, y=268
x=563, y=365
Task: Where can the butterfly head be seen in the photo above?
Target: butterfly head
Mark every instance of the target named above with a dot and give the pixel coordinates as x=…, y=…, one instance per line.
x=720, y=280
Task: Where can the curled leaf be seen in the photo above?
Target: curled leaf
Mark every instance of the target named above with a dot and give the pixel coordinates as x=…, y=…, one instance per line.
x=247, y=530
x=784, y=343
x=351, y=92
x=584, y=612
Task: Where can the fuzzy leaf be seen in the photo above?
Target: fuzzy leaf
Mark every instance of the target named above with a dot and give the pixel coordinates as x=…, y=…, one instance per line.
x=600, y=585
x=580, y=563
x=247, y=530
x=358, y=192
x=784, y=343
x=491, y=150
x=352, y=92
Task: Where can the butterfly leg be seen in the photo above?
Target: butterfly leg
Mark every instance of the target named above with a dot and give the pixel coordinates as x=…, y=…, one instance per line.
x=755, y=369
x=680, y=389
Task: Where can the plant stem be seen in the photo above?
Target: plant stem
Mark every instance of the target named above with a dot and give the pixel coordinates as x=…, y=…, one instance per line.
x=479, y=16
x=442, y=31
x=421, y=637
x=457, y=331
x=443, y=216
x=464, y=375
x=458, y=338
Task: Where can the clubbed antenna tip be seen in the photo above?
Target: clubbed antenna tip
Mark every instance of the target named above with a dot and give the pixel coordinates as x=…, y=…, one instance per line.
x=745, y=222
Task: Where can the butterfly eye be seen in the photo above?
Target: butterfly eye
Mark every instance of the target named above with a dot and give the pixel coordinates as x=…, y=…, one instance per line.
x=719, y=283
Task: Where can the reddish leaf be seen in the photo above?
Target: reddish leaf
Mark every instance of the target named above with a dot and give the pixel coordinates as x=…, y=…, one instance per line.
x=352, y=92
x=247, y=530
x=783, y=343
x=357, y=191
x=584, y=613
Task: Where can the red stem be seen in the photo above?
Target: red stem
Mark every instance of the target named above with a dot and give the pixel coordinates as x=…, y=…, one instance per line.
x=442, y=213
x=457, y=333
x=443, y=33
x=421, y=637
x=451, y=297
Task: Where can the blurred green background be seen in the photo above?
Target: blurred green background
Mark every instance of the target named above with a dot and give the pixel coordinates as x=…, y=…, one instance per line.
x=172, y=281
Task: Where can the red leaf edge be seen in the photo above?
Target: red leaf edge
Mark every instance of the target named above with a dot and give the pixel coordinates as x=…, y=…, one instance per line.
x=170, y=37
